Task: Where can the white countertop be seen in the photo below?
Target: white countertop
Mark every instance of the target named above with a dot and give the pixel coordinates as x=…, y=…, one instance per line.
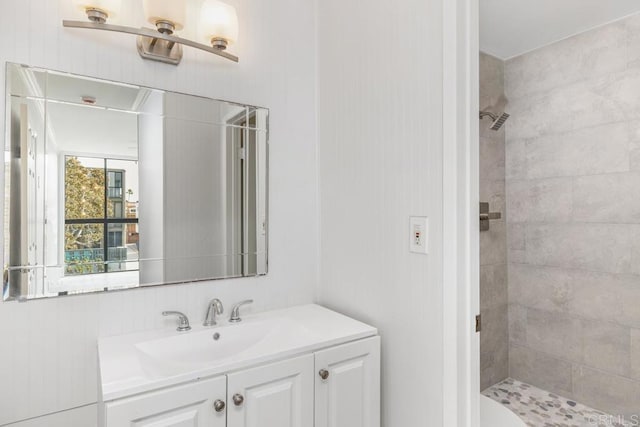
x=125, y=370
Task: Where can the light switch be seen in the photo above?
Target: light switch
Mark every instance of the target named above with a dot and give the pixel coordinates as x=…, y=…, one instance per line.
x=419, y=234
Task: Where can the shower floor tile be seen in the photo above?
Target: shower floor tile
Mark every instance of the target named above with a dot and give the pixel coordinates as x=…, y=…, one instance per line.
x=539, y=408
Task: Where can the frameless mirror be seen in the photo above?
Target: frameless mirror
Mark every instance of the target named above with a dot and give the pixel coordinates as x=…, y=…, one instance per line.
x=113, y=186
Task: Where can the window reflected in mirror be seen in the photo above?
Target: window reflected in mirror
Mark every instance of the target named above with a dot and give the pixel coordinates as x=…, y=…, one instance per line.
x=101, y=216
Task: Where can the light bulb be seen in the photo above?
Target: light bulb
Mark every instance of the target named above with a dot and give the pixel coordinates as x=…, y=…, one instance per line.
x=99, y=10
x=166, y=15
x=218, y=24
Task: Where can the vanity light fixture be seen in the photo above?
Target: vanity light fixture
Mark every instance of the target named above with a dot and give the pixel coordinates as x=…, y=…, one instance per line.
x=218, y=27
x=218, y=24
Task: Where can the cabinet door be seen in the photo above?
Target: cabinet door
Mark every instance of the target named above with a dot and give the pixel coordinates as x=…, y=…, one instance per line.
x=347, y=385
x=190, y=405
x=276, y=395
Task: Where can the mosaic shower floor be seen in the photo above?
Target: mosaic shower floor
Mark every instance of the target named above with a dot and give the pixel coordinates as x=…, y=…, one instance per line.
x=539, y=408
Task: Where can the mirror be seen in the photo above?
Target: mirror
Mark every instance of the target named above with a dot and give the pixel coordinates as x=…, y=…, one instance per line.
x=113, y=186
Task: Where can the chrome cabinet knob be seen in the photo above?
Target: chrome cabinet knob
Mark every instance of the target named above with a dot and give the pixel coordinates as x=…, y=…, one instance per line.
x=324, y=374
x=219, y=405
x=238, y=399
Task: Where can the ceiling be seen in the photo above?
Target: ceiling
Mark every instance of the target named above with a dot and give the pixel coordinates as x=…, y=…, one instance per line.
x=71, y=88
x=108, y=128
x=81, y=129
x=510, y=28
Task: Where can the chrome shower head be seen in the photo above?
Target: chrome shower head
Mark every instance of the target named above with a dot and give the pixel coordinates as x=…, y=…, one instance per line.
x=498, y=121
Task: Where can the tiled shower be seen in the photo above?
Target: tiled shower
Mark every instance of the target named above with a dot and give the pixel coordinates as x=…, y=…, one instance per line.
x=494, y=339
x=560, y=273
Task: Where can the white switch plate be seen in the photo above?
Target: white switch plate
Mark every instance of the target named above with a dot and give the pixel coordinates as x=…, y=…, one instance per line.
x=419, y=234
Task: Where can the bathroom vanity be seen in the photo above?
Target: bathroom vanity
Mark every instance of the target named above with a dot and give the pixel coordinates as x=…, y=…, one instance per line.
x=303, y=366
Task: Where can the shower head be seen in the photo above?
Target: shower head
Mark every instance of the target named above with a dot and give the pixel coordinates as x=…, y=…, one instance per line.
x=498, y=120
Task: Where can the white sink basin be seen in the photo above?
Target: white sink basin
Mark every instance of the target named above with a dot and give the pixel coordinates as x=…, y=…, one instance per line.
x=145, y=361
x=188, y=351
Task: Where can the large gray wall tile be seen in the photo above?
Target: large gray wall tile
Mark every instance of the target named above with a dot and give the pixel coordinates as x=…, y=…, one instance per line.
x=493, y=289
x=516, y=158
x=556, y=334
x=544, y=200
x=633, y=40
x=635, y=354
x=594, y=150
x=543, y=288
x=517, y=324
x=533, y=367
x=516, y=234
x=607, y=198
x=495, y=328
x=589, y=103
x=601, y=51
x=494, y=350
x=494, y=366
x=613, y=394
x=606, y=297
x=493, y=244
x=634, y=149
x=492, y=159
x=538, y=115
x=491, y=80
x=610, y=248
x=517, y=203
x=516, y=256
x=607, y=347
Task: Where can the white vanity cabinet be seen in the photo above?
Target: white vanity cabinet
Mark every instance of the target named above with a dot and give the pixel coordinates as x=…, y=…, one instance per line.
x=304, y=366
x=347, y=387
x=339, y=385
x=279, y=394
x=188, y=405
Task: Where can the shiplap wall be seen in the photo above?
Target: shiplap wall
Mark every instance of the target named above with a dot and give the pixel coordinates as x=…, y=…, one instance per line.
x=380, y=161
x=48, y=358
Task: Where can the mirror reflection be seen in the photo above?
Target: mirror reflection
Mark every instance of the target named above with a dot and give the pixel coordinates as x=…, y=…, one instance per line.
x=112, y=186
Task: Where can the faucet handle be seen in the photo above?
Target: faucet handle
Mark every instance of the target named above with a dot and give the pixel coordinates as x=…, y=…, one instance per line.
x=183, y=320
x=235, y=312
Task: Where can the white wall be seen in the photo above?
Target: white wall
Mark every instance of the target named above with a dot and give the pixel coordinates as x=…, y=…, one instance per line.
x=380, y=151
x=151, y=200
x=48, y=351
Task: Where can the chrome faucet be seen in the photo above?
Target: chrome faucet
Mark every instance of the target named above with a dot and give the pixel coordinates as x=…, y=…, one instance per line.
x=215, y=307
x=183, y=320
x=235, y=312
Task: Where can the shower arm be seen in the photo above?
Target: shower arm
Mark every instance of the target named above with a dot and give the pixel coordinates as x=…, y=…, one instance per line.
x=484, y=114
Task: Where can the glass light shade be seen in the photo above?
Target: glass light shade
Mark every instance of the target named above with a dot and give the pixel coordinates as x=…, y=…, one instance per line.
x=174, y=11
x=218, y=20
x=110, y=7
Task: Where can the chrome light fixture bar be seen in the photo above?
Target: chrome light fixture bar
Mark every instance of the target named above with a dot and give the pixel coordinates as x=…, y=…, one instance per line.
x=148, y=42
x=161, y=44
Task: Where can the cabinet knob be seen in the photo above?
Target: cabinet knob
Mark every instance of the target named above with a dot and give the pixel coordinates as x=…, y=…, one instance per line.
x=219, y=405
x=238, y=399
x=324, y=374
